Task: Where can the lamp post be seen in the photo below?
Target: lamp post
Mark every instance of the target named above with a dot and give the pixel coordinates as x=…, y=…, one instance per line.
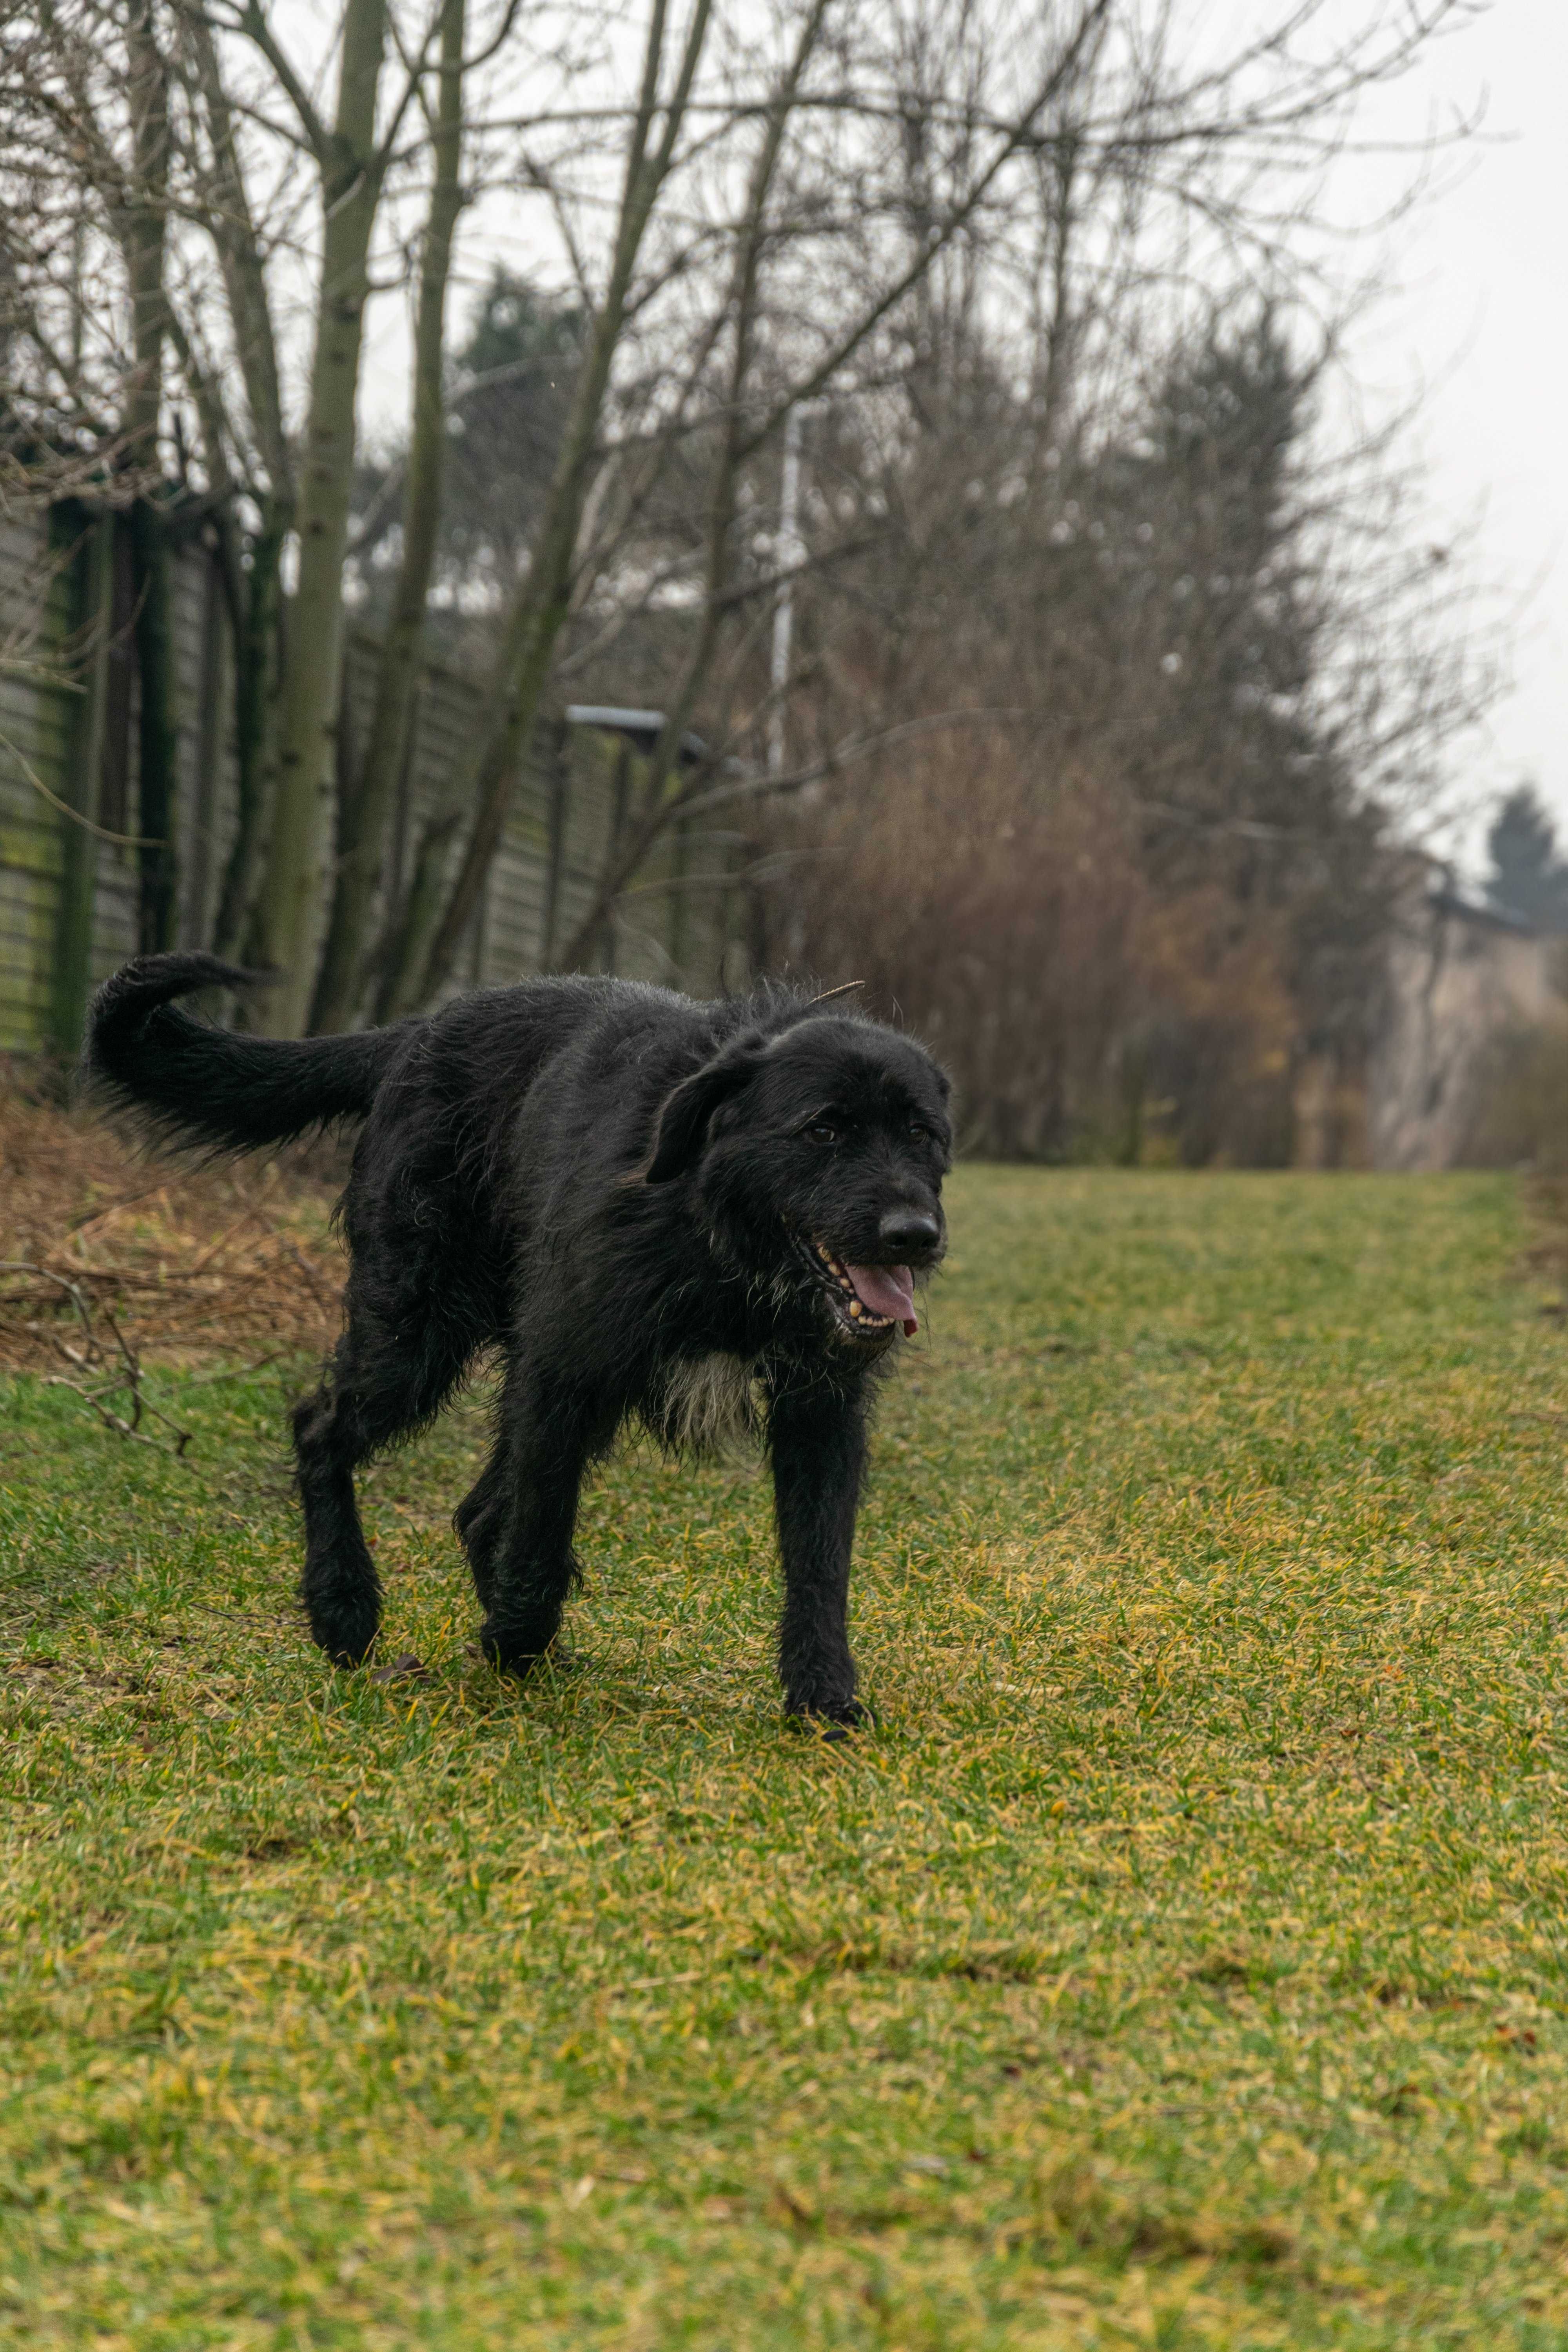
x=791, y=553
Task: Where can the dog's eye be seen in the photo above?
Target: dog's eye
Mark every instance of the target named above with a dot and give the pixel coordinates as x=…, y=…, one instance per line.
x=821, y=1131
x=918, y=1130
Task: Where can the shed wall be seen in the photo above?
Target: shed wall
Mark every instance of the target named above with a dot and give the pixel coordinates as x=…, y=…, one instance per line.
x=563, y=810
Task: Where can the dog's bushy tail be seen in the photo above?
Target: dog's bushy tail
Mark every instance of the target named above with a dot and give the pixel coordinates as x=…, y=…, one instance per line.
x=220, y=1087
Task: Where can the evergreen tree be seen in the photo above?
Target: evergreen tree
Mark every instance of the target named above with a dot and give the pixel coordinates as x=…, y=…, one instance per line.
x=1528, y=877
x=507, y=398
x=1246, y=780
x=513, y=382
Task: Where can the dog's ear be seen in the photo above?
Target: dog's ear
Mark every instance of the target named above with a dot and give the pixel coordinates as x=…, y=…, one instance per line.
x=682, y=1127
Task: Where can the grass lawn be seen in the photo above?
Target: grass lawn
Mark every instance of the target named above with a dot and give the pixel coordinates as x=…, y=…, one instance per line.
x=1181, y=1963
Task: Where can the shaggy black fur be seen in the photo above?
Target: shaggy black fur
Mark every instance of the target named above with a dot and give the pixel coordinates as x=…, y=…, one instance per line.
x=655, y=1207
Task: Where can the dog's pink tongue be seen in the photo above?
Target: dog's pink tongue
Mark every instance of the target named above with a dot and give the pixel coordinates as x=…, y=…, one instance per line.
x=887, y=1290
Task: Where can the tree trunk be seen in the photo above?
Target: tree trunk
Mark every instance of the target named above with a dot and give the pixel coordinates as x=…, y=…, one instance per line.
x=254, y=598
x=364, y=808
x=145, y=236
x=406, y=947
x=142, y=230
x=290, y=909
x=256, y=617
x=240, y=257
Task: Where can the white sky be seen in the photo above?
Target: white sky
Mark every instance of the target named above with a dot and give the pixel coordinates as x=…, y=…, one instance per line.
x=1479, y=320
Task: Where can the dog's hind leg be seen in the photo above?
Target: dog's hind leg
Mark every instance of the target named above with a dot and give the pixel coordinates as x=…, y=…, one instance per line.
x=817, y=1437
x=479, y=1519
x=383, y=1382
x=520, y=1533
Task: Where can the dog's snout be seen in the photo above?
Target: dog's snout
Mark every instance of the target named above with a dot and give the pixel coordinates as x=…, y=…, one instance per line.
x=913, y=1233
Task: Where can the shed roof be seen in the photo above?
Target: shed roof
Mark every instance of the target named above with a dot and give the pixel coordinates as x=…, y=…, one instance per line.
x=640, y=728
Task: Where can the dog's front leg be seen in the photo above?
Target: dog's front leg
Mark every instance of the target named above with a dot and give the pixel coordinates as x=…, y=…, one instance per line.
x=817, y=1436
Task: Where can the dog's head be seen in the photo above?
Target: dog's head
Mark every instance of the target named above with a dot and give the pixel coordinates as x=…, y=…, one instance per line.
x=819, y=1152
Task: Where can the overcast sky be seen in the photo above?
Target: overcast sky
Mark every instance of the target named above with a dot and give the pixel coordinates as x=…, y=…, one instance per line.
x=1481, y=320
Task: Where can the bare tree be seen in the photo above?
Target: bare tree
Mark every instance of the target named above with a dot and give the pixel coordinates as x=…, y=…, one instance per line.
x=1108, y=139
x=352, y=155
x=365, y=801
x=959, y=221
x=735, y=384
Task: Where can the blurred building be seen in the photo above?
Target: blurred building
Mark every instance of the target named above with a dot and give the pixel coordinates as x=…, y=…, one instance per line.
x=1469, y=1058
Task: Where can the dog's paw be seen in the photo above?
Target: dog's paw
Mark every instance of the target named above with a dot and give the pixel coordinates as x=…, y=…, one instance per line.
x=347, y=1634
x=514, y=1650
x=832, y=1721
x=347, y=1650
x=508, y=1658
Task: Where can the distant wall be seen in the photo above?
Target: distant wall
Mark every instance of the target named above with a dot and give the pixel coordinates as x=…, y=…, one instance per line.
x=573, y=783
x=1473, y=1008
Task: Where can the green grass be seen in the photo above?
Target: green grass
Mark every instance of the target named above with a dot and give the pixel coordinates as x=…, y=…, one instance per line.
x=1181, y=1963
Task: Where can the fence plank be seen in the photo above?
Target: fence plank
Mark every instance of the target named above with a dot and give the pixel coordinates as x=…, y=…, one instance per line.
x=94, y=568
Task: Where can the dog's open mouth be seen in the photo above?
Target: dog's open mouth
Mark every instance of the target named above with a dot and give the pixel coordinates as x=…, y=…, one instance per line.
x=870, y=1301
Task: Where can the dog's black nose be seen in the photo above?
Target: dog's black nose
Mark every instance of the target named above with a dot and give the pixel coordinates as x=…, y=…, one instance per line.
x=913, y=1233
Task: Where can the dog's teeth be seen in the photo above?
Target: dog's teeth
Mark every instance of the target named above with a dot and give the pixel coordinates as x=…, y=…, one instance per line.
x=857, y=1308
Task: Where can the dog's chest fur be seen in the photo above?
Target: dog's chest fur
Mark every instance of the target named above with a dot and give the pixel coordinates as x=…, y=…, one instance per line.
x=709, y=1404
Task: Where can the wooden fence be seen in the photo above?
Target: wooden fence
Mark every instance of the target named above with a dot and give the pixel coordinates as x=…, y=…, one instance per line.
x=68, y=711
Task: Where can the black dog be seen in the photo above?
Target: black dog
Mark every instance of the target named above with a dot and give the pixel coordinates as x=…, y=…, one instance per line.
x=689, y=1213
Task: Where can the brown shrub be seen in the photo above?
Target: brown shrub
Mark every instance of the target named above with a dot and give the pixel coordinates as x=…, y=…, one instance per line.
x=1009, y=920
